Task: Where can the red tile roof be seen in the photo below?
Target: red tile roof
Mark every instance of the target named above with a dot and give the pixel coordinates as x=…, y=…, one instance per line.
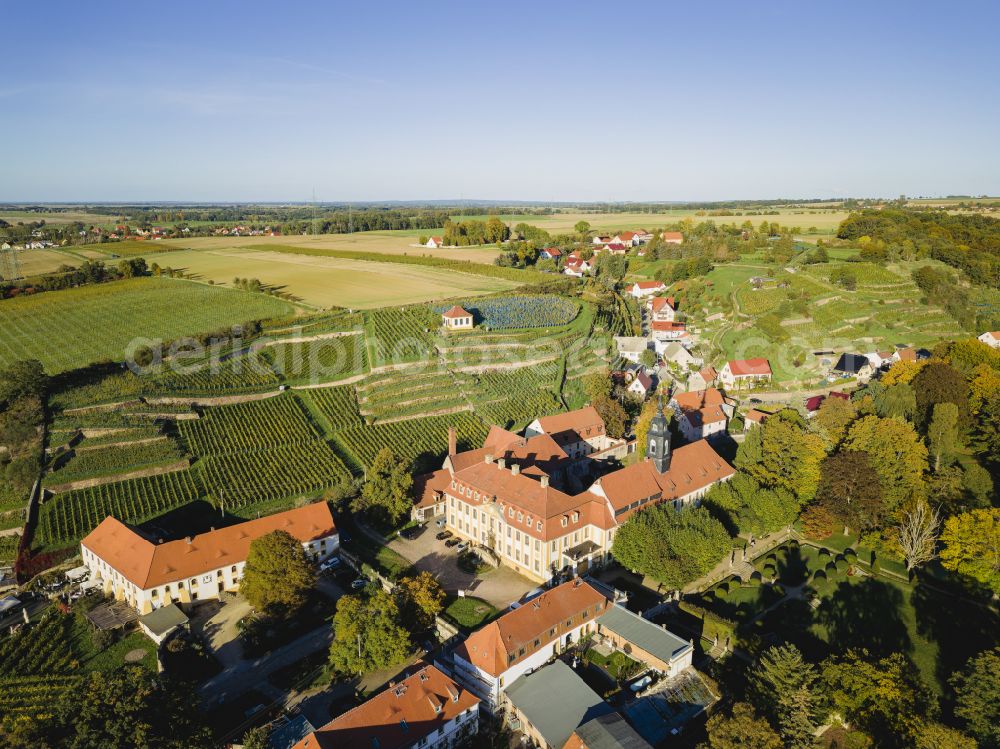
x=457, y=311
x=671, y=235
x=756, y=416
x=750, y=367
x=650, y=285
x=585, y=421
x=668, y=325
x=491, y=647
x=398, y=717
x=660, y=302
x=692, y=467
x=708, y=374
x=148, y=565
x=695, y=399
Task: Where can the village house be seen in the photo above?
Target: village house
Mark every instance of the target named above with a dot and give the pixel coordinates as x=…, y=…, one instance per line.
x=991, y=339
x=457, y=318
x=426, y=710
x=703, y=378
x=641, y=289
x=745, y=372
x=631, y=347
x=627, y=238
x=609, y=731
x=149, y=575
x=550, y=253
x=853, y=365
x=495, y=656
x=662, y=309
x=662, y=330
x=702, y=414
x=754, y=417
x=910, y=354
x=879, y=359
x=653, y=645
x=672, y=237
x=576, y=266
x=434, y=243
x=602, y=239
x=614, y=248
x=674, y=354
x=520, y=497
x=641, y=386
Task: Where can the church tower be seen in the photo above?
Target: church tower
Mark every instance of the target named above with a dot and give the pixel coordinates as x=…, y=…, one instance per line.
x=658, y=440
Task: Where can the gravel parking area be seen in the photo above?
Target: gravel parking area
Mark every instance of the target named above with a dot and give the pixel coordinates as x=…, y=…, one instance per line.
x=500, y=586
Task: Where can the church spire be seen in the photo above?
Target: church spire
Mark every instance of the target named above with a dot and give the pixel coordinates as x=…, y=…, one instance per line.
x=658, y=447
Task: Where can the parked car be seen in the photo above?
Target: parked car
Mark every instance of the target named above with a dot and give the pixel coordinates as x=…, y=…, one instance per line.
x=452, y=542
x=756, y=400
x=439, y=522
x=359, y=583
x=443, y=535
x=463, y=546
x=330, y=564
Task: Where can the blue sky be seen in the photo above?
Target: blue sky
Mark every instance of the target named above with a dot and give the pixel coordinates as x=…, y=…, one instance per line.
x=509, y=101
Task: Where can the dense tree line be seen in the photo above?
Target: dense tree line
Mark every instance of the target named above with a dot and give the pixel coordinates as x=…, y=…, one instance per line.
x=67, y=276
x=969, y=242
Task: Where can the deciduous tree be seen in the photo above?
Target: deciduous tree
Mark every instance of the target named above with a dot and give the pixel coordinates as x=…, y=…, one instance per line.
x=849, y=489
x=977, y=697
x=278, y=576
x=917, y=534
x=932, y=735
x=420, y=599
x=741, y=729
x=367, y=635
x=940, y=383
x=781, y=453
x=942, y=433
x=897, y=401
x=386, y=493
x=613, y=414
x=672, y=547
x=897, y=455
x=971, y=546
x=833, y=418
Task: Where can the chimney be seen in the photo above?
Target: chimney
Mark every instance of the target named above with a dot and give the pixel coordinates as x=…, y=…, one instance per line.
x=190, y=540
x=545, y=481
x=515, y=469
x=452, y=441
x=489, y=458
x=501, y=463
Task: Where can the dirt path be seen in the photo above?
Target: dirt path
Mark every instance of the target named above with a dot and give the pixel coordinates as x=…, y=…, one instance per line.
x=127, y=443
x=306, y=339
x=439, y=412
x=101, y=480
x=480, y=368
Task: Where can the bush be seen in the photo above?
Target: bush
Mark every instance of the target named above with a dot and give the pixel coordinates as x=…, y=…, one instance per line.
x=754, y=581
x=102, y=639
x=819, y=575
x=770, y=571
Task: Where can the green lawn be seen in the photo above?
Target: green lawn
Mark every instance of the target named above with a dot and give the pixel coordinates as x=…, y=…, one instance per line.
x=469, y=613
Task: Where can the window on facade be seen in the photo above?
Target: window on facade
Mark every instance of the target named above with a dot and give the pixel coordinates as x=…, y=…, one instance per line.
x=520, y=653
x=565, y=522
x=510, y=658
x=520, y=517
x=510, y=512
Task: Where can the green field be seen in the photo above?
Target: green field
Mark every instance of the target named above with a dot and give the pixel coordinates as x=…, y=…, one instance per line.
x=328, y=281
x=69, y=329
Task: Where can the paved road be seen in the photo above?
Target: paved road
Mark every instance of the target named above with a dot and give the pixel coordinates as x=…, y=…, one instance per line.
x=252, y=674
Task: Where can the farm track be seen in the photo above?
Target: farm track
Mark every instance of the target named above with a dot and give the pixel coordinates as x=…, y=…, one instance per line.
x=115, y=478
x=480, y=368
x=127, y=443
x=440, y=412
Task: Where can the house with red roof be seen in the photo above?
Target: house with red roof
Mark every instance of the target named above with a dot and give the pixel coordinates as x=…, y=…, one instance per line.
x=754, y=417
x=149, y=575
x=434, y=243
x=514, y=497
x=427, y=709
x=672, y=237
x=641, y=289
x=576, y=266
x=615, y=248
x=550, y=253
x=745, y=372
x=457, y=318
x=662, y=330
x=641, y=386
x=991, y=338
x=702, y=414
x=703, y=378
x=662, y=309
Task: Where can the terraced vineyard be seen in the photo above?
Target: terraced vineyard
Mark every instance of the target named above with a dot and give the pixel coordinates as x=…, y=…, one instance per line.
x=323, y=360
x=400, y=335
x=867, y=274
x=423, y=440
x=274, y=473
x=34, y=696
x=247, y=427
x=404, y=395
x=110, y=460
x=519, y=311
x=338, y=406
x=66, y=518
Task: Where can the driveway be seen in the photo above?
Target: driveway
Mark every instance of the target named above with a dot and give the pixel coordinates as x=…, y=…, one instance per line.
x=216, y=622
x=500, y=586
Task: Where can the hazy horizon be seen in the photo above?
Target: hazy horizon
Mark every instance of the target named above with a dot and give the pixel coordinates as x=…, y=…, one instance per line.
x=556, y=102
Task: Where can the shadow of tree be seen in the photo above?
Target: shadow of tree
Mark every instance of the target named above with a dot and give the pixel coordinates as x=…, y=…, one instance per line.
x=792, y=568
x=960, y=627
x=865, y=615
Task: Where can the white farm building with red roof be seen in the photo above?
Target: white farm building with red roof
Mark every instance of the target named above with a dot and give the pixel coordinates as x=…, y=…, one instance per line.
x=457, y=318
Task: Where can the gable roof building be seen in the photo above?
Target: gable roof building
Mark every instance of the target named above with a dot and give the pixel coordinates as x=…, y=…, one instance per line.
x=426, y=709
x=702, y=414
x=149, y=575
x=853, y=365
x=740, y=371
x=552, y=703
x=609, y=731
